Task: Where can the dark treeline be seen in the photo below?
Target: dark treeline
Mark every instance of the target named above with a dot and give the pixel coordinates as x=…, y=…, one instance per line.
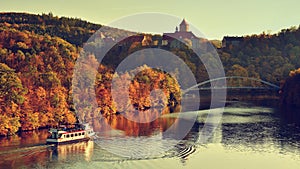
x=73, y=30
x=264, y=56
x=290, y=97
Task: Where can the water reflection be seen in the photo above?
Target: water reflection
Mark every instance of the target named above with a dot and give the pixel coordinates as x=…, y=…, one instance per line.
x=28, y=150
x=289, y=114
x=185, y=148
x=81, y=150
x=108, y=125
x=136, y=140
x=244, y=129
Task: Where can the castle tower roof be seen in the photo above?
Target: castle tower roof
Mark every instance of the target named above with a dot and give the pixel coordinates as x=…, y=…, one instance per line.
x=184, y=26
x=184, y=22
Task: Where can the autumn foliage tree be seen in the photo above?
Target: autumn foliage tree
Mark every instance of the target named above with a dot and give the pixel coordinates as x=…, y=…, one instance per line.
x=36, y=81
x=11, y=98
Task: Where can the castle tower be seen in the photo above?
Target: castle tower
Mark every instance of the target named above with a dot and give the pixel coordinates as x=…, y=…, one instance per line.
x=184, y=26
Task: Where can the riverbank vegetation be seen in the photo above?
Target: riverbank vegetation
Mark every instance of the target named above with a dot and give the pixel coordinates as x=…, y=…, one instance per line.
x=290, y=98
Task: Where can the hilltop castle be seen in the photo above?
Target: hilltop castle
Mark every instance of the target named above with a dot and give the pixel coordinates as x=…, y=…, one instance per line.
x=183, y=35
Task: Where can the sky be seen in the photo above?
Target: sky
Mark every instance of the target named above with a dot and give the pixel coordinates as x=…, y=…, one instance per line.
x=214, y=18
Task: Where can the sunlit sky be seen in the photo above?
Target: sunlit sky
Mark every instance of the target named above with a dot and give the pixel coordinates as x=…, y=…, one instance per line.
x=214, y=18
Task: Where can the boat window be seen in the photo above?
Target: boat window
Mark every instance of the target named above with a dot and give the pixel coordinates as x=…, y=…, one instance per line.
x=75, y=134
x=79, y=134
x=83, y=133
x=68, y=135
x=54, y=135
x=59, y=135
x=72, y=135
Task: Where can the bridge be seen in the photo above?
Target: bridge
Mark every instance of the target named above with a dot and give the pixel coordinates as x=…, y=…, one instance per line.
x=214, y=84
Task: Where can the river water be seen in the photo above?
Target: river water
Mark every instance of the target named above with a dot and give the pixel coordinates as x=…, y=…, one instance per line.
x=249, y=135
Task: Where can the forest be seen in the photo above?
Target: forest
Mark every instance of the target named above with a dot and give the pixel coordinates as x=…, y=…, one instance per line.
x=38, y=54
x=264, y=56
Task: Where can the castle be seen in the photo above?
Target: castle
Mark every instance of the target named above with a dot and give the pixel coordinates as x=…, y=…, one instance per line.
x=183, y=35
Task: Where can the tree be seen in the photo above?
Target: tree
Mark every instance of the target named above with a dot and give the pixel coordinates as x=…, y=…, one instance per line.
x=11, y=97
x=11, y=88
x=237, y=70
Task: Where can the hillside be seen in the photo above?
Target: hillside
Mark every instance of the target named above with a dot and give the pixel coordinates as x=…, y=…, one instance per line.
x=36, y=72
x=73, y=30
x=264, y=56
x=38, y=54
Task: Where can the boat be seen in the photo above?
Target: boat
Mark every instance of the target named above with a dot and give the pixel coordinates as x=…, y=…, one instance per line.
x=64, y=134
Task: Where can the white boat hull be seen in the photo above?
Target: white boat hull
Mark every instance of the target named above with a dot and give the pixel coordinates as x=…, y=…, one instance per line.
x=59, y=136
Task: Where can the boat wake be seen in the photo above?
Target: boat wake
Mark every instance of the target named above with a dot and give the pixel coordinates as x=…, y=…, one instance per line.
x=26, y=149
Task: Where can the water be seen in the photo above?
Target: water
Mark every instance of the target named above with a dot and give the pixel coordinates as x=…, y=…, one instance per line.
x=249, y=136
